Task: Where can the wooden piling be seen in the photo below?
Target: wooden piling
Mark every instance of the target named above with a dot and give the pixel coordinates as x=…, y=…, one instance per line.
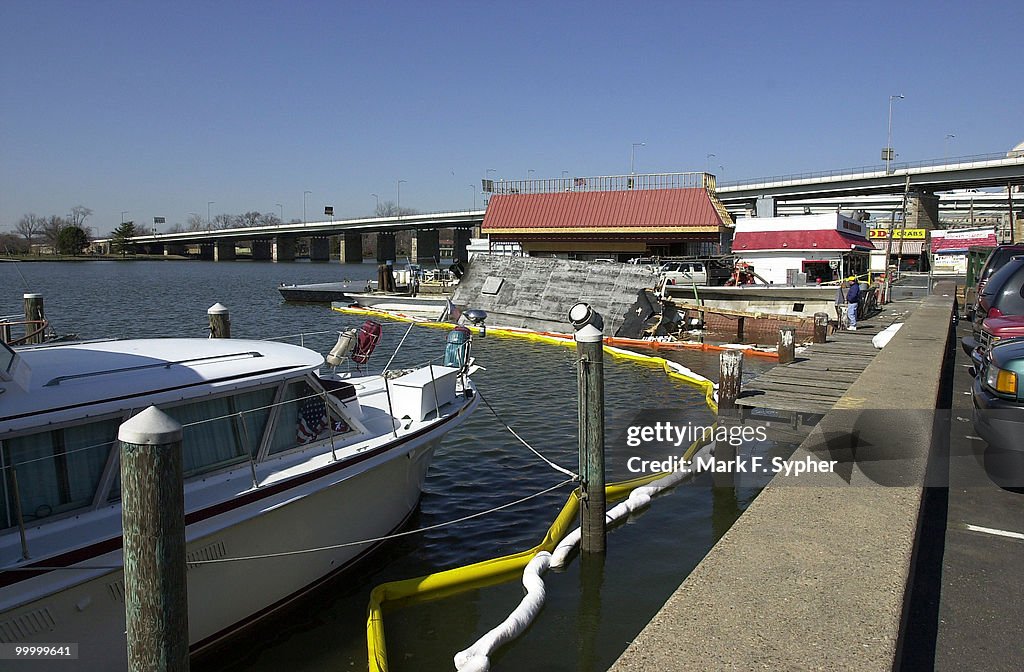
x=34, y=313
x=589, y=338
x=729, y=378
x=739, y=329
x=820, y=327
x=220, y=321
x=153, y=516
x=787, y=345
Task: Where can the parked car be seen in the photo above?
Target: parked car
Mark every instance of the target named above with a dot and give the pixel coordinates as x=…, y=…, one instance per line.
x=684, y=273
x=993, y=330
x=996, y=260
x=1003, y=294
x=998, y=394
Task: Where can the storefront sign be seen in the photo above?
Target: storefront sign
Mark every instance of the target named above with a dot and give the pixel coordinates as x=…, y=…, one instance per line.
x=905, y=234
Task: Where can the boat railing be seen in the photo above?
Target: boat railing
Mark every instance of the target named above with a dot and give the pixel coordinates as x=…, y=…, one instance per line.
x=32, y=331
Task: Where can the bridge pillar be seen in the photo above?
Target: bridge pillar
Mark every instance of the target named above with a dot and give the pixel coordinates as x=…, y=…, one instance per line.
x=459, y=251
x=765, y=207
x=206, y=252
x=351, y=248
x=283, y=249
x=224, y=250
x=426, y=246
x=922, y=210
x=179, y=250
x=385, y=246
x=320, y=249
x=261, y=250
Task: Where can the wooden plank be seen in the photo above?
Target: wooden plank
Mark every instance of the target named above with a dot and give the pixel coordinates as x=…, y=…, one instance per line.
x=831, y=382
x=766, y=401
x=801, y=391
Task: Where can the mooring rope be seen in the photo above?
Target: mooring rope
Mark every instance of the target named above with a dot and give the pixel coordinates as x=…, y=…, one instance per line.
x=556, y=467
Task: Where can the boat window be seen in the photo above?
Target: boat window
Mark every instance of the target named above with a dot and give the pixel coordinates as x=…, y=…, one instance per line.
x=303, y=418
x=220, y=431
x=56, y=471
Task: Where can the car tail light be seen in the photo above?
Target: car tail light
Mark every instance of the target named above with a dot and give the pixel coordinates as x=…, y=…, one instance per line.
x=994, y=312
x=1001, y=380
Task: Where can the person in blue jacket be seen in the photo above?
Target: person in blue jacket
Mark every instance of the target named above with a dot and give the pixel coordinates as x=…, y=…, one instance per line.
x=852, y=297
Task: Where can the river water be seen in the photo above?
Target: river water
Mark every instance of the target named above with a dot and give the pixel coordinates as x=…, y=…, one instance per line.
x=589, y=617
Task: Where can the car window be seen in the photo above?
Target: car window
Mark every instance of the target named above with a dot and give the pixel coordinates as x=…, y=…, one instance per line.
x=995, y=283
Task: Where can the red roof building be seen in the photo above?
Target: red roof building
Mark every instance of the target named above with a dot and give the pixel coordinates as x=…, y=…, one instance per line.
x=626, y=222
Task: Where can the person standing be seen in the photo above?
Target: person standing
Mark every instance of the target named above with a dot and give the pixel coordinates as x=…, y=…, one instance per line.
x=852, y=297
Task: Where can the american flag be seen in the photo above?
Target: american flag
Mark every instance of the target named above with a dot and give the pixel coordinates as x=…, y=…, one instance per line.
x=312, y=420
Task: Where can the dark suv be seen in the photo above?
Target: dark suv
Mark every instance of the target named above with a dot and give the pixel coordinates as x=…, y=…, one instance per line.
x=1003, y=294
x=996, y=260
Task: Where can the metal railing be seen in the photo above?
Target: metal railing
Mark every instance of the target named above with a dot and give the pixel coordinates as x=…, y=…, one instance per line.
x=606, y=183
x=867, y=170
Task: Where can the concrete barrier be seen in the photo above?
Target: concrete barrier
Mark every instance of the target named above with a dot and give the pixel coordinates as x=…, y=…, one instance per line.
x=815, y=574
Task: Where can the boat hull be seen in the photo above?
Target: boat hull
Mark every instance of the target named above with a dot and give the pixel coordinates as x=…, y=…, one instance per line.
x=367, y=501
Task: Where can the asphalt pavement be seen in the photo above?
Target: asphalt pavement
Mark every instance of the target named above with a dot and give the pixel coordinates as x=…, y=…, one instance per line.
x=967, y=605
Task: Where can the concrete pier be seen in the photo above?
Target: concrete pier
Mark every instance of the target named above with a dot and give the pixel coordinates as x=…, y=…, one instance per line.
x=320, y=249
x=459, y=251
x=426, y=246
x=352, y=248
x=385, y=247
x=262, y=250
x=224, y=250
x=283, y=249
x=816, y=573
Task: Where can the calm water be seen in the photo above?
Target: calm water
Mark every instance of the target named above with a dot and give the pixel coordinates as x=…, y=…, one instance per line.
x=589, y=617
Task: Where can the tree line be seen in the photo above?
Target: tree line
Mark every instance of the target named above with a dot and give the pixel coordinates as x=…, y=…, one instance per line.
x=63, y=235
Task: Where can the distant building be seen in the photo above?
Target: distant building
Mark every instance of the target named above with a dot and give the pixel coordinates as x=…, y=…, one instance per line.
x=616, y=217
x=803, y=249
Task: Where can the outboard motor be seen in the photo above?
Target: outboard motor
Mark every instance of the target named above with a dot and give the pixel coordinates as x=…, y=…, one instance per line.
x=457, y=347
x=339, y=353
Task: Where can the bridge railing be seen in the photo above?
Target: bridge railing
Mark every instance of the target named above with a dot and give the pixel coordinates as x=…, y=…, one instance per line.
x=863, y=170
x=605, y=183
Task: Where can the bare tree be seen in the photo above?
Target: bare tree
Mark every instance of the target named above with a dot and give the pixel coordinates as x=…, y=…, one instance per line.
x=29, y=227
x=250, y=219
x=78, y=215
x=225, y=221
x=52, y=227
x=177, y=227
x=390, y=209
x=12, y=244
x=269, y=219
x=196, y=222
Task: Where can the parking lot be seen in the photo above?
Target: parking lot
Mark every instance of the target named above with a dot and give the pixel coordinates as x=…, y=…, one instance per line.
x=968, y=604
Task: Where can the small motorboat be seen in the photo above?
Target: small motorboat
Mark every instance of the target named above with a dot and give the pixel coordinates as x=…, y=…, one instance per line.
x=281, y=455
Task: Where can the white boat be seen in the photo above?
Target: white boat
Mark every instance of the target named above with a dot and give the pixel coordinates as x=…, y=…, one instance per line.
x=279, y=456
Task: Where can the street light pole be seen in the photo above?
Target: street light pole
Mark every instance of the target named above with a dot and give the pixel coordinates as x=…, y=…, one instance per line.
x=473, y=187
x=399, y=204
x=304, y=194
x=376, y=208
x=888, y=153
x=123, y=213
x=632, y=155
x=707, y=162
x=282, y=211
x=949, y=136
x=208, y=204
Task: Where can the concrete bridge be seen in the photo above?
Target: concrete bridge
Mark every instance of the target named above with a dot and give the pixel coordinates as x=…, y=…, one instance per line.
x=854, y=188
x=277, y=243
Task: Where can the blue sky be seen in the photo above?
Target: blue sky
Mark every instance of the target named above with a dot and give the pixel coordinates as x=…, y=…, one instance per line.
x=158, y=108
